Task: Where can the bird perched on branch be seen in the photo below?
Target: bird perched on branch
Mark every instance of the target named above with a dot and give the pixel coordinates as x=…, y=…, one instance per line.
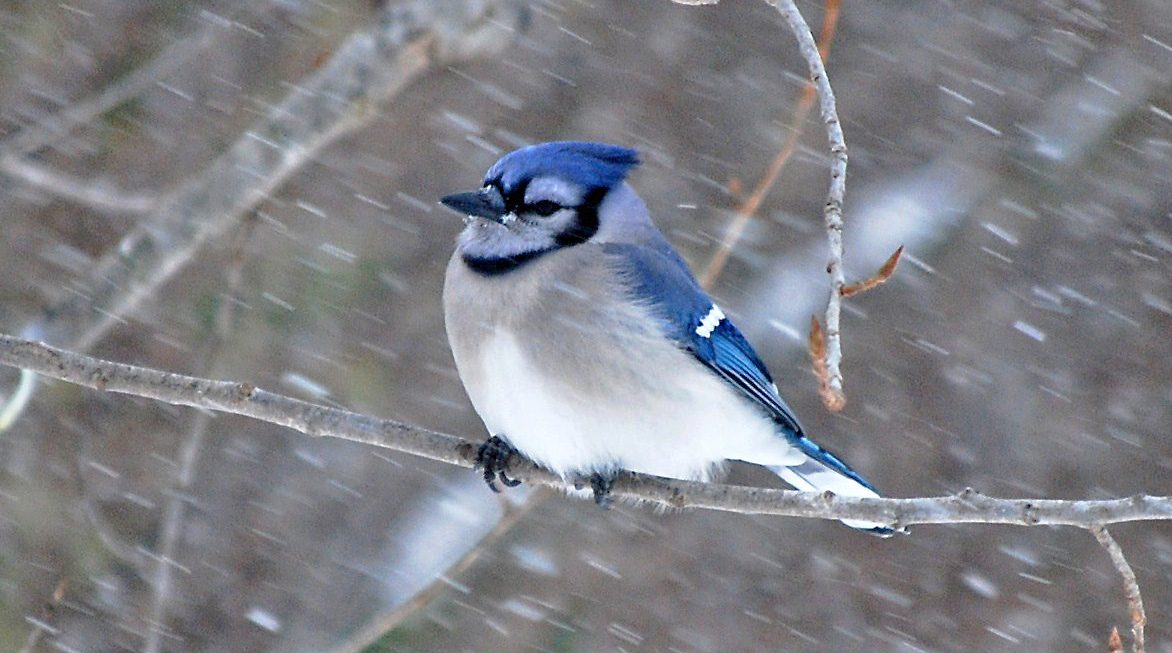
x=586, y=345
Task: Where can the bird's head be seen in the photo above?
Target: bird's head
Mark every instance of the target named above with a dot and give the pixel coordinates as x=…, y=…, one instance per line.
x=540, y=199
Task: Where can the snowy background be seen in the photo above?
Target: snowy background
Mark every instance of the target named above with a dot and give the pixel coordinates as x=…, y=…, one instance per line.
x=1021, y=151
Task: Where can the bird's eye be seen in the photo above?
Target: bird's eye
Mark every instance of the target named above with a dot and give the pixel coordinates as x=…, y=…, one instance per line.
x=545, y=208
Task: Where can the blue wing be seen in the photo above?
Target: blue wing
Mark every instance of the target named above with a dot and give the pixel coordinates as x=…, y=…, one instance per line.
x=658, y=276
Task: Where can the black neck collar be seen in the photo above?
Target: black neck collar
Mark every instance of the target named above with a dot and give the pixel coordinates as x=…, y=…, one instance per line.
x=490, y=267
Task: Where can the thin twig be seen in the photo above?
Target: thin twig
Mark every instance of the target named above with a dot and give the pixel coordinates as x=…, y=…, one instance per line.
x=100, y=196
x=748, y=208
x=384, y=623
x=41, y=624
x=817, y=346
x=832, y=399
x=1135, y=600
x=834, y=197
x=321, y=421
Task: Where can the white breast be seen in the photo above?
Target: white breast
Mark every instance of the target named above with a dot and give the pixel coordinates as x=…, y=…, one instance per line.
x=679, y=424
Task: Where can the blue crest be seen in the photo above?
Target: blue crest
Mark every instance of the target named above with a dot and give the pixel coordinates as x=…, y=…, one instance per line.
x=592, y=165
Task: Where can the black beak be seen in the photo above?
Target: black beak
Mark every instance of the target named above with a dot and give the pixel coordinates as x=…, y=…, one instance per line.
x=484, y=203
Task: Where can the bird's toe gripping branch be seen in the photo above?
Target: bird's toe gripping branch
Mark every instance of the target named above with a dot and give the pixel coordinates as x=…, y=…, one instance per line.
x=493, y=458
x=601, y=484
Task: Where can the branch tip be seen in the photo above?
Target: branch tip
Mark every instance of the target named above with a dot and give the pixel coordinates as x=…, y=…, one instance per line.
x=1135, y=602
x=880, y=277
x=833, y=398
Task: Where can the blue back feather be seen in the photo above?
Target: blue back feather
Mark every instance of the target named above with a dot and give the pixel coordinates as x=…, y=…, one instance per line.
x=658, y=276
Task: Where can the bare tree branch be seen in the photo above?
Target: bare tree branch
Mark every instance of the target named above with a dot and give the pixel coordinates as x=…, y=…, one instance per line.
x=968, y=507
x=1135, y=601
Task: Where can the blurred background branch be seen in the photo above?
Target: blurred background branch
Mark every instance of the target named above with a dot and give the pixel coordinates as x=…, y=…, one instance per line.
x=367, y=69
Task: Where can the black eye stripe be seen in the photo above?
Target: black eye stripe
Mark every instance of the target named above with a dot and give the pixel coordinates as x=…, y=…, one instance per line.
x=544, y=208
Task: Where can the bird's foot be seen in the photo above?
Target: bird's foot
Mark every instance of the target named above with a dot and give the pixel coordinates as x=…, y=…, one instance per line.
x=602, y=484
x=493, y=458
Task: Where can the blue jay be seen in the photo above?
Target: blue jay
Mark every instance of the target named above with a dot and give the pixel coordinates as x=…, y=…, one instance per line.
x=586, y=345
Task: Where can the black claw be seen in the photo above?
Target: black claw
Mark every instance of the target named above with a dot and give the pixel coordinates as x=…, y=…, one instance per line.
x=493, y=458
x=601, y=485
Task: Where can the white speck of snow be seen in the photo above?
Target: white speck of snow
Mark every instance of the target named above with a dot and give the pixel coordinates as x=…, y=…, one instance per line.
x=261, y=139
x=345, y=488
x=1098, y=83
x=1020, y=553
x=1049, y=150
x=1018, y=208
x=456, y=510
x=890, y=595
x=414, y=202
x=955, y=95
x=534, y=560
x=1030, y=330
x=980, y=83
x=626, y=634
x=600, y=566
x=371, y=201
x=919, y=263
x=980, y=584
x=304, y=384
x=1070, y=293
x=1160, y=112
x=1003, y=635
x=1158, y=303
x=264, y=619
x=1046, y=295
x=1151, y=39
x=277, y=300
x=338, y=252
x=1036, y=579
x=982, y=125
x=574, y=35
x=1035, y=602
x=1000, y=233
x=787, y=330
x=523, y=610
x=461, y=121
x=454, y=584
x=497, y=627
x=103, y=469
x=309, y=458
